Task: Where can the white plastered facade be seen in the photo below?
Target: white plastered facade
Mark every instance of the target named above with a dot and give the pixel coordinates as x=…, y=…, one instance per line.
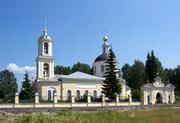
x=48, y=83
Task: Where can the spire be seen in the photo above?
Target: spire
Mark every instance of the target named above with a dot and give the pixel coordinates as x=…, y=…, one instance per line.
x=45, y=28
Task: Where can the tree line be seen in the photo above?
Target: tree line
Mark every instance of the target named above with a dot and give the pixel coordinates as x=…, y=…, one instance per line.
x=9, y=87
x=135, y=75
x=139, y=73
x=82, y=67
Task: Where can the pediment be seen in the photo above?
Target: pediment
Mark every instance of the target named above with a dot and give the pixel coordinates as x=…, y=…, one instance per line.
x=170, y=86
x=147, y=85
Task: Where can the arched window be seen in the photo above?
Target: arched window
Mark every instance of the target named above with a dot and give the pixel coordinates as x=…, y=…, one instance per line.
x=86, y=92
x=45, y=48
x=46, y=70
x=78, y=94
x=69, y=93
x=102, y=68
x=95, y=94
x=49, y=94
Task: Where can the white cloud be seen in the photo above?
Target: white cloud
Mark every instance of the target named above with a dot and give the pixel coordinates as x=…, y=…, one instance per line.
x=16, y=69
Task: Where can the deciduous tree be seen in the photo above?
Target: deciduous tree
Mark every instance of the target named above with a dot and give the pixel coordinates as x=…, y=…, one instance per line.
x=62, y=70
x=8, y=85
x=82, y=67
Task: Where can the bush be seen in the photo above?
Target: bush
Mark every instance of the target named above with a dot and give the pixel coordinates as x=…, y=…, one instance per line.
x=177, y=93
x=93, y=99
x=41, y=100
x=27, y=101
x=136, y=94
x=7, y=100
x=84, y=99
x=81, y=99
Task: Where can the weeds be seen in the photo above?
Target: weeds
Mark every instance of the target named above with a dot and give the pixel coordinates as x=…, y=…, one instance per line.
x=107, y=116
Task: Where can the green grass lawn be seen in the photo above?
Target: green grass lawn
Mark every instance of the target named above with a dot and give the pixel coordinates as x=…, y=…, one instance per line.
x=107, y=116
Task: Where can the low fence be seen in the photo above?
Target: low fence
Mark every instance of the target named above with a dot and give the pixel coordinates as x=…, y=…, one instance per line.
x=68, y=105
x=72, y=102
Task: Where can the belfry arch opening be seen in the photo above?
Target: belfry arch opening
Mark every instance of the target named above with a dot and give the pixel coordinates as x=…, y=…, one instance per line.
x=46, y=70
x=46, y=48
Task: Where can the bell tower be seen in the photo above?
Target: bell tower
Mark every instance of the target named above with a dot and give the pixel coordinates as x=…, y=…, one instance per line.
x=45, y=60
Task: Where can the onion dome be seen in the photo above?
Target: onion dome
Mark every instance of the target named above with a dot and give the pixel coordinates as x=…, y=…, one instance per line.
x=102, y=57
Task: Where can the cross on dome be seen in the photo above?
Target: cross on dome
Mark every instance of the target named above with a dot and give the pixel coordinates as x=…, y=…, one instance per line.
x=105, y=37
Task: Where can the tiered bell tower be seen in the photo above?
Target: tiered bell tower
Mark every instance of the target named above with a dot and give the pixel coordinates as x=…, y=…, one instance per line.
x=45, y=60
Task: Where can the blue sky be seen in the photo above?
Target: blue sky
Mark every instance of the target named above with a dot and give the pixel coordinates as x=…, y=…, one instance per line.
x=77, y=27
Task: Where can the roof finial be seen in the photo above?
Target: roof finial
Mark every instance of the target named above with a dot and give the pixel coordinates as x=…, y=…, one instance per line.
x=105, y=37
x=45, y=28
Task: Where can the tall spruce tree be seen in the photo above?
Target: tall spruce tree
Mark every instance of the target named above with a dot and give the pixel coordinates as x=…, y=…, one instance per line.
x=151, y=67
x=111, y=84
x=147, y=67
x=153, y=64
x=27, y=90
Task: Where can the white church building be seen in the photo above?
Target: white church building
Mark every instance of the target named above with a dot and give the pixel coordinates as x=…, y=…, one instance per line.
x=78, y=83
